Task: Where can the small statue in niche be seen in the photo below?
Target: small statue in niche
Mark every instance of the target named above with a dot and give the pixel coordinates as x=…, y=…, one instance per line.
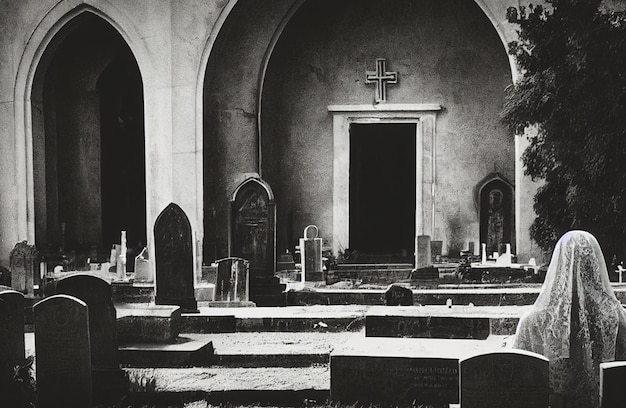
x=495, y=221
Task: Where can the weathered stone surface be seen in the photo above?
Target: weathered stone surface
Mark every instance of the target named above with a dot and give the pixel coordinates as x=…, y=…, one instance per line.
x=512, y=379
x=152, y=324
x=232, y=280
x=253, y=236
x=401, y=371
x=470, y=322
x=63, y=353
x=311, y=249
x=424, y=252
x=24, y=260
x=108, y=379
x=173, y=248
x=397, y=295
x=96, y=293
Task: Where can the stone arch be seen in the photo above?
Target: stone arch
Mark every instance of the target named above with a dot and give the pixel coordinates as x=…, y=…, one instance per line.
x=251, y=107
x=45, y=42
x=40, y=39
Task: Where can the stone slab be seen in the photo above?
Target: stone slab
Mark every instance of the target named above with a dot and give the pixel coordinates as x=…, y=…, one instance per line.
x=183, y=353
x=462, y=322
x=395, y=371
x=477, y=296
x=154, y=323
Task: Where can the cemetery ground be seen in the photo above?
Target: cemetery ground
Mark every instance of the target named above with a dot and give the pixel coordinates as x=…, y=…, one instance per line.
x=336, y=343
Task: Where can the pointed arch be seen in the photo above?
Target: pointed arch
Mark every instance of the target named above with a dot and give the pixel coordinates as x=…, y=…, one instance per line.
x=40, y=39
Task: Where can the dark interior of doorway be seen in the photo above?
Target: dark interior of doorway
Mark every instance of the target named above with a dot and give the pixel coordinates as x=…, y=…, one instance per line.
x=122, y=155
x=382, y=191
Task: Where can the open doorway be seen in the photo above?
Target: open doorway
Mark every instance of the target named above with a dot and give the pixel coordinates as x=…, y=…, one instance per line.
x=88, y=143
x=382, y=191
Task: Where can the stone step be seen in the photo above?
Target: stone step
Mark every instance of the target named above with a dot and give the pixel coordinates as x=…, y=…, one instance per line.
x=277, y=349
x=353, y=266
x=466, y=322
x=315, y=318
x=246, y=398
x=273, y=386
x=461, y=296
x=186, y=351
x=373, y=276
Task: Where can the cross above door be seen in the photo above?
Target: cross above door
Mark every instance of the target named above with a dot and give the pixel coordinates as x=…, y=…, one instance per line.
x=381, y=78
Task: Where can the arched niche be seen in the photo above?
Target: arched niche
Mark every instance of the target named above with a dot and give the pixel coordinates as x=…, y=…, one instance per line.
x=496, y=197
x=88, y=140
x=253, y=226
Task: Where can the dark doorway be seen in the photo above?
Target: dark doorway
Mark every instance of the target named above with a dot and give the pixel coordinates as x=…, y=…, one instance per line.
x=122, y=154
x=88, y=143
x=382, y=190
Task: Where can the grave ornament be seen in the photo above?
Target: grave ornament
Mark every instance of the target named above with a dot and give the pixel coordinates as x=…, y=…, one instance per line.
x=311, y=249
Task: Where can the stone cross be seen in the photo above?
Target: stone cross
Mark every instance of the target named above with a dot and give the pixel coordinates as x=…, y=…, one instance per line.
x=381, y=77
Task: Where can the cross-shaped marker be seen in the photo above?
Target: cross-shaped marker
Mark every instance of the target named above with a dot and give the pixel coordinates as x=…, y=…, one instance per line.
x=381, y=78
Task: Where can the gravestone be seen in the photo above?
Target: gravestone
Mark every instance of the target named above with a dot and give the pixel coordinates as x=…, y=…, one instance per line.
x=512, y=379
x=436, y=248
x=143, y=273
x=24, y=265
x=424, y=269
x=11, y=329
x=253, y=237
x=97, y=294
x=612, y=380
x=311, y=252
x=394, y=372
x=232, y=283
x=173, y=246
x=63, y=353
x=424, y=252
x=398, y=295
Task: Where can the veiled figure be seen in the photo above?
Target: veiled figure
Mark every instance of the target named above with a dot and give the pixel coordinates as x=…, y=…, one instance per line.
x=576, y=321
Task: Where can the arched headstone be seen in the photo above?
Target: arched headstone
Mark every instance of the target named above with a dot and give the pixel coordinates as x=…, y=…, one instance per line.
x=253, y=237
x=173, y=247
x=63, y=353
x=11, y=328
x=311, y=250
x=108, y=377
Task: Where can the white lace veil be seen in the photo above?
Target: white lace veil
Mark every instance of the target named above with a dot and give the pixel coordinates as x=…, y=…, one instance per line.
x=577, y=263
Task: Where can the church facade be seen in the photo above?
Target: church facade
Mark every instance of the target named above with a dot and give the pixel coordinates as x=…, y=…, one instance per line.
x=376, y=123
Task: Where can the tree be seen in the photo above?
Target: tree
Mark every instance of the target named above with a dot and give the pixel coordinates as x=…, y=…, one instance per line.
x=572, y=91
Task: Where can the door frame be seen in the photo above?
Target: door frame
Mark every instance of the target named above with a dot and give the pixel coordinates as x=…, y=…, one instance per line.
x=424, y=116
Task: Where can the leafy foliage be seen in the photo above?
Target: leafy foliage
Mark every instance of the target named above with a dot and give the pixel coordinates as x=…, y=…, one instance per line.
x=20, y=386
x=572, y=56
